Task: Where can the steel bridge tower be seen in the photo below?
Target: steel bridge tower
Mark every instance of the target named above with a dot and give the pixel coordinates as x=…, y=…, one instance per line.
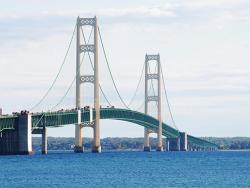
x=81, y=79
x=156, y=97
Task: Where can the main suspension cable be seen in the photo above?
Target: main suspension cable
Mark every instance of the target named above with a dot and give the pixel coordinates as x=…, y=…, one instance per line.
x=59, y=71
x=71, y=84
x=111, y=75
x=168, y=104
x=104, y=95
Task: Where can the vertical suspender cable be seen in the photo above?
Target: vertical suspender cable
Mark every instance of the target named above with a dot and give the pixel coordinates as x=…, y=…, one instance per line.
x=111, y=75
x=137, y=87
x=71, y=84
x=54, y=81
x=165, y=91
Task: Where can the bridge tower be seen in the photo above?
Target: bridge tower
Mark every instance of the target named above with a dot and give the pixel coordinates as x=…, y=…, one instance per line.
x=157, y=97
x=94, y=79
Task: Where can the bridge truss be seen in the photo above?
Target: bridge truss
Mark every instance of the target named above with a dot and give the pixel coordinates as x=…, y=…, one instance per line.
x=58, y=119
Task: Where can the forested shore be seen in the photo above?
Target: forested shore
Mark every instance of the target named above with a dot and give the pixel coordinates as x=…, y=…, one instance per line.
x=62, y=143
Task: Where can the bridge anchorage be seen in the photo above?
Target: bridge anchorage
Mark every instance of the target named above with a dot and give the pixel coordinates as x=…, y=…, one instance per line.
x=16, y=130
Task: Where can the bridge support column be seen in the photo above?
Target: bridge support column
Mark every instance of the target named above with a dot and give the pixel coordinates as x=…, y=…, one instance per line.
x=83, y=78
x=174, y=144
x=96, y=145
x=146, y=140
x=159, y=136
x=78, y=139
x=24, y=134
x=155, y=97
x=159, y=133
x=78, y=134
x=167, y=144
x=96, y=142
x=183, y=141
x=78, y=128
x=44, y=141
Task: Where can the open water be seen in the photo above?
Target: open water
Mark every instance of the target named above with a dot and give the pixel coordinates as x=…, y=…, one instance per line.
x=127, y=169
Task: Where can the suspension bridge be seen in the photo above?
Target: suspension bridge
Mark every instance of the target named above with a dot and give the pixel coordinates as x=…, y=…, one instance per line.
x=16, y=130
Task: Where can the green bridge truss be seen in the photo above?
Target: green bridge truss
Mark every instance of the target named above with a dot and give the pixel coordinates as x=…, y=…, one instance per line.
x=57, y=119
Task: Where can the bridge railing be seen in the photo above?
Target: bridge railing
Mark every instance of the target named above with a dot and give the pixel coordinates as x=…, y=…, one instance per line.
x=8, y=122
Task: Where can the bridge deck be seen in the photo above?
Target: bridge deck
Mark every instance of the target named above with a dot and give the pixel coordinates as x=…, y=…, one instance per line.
x=56, y=119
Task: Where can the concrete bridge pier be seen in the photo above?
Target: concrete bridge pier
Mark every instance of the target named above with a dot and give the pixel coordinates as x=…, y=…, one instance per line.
x=19, y=140
x=25, y=134
x=159, y=138
x=178, y=144
x=173, y=144
x=78, y=139
x=183, y=141
x=167, y=144
x=44, y=141
x=146, y=140
x=96, y=142
x=191, y=148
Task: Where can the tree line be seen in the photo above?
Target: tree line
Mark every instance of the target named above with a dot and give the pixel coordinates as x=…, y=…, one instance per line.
x=124, y=143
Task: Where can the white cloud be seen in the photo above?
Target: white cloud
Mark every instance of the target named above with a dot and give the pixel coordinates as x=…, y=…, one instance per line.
x=234, y=16
x=198, y=4
x=154, y=11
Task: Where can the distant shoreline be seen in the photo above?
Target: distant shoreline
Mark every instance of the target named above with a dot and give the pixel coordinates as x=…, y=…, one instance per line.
x=133, y=144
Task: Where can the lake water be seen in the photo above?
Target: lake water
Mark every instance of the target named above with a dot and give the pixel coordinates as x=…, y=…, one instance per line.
x=127, y=169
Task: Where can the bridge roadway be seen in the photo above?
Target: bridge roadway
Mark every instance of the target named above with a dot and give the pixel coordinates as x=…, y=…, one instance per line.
x=57, y=119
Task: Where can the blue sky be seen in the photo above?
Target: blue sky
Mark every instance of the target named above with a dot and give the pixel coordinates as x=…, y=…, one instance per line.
x=204, y=47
